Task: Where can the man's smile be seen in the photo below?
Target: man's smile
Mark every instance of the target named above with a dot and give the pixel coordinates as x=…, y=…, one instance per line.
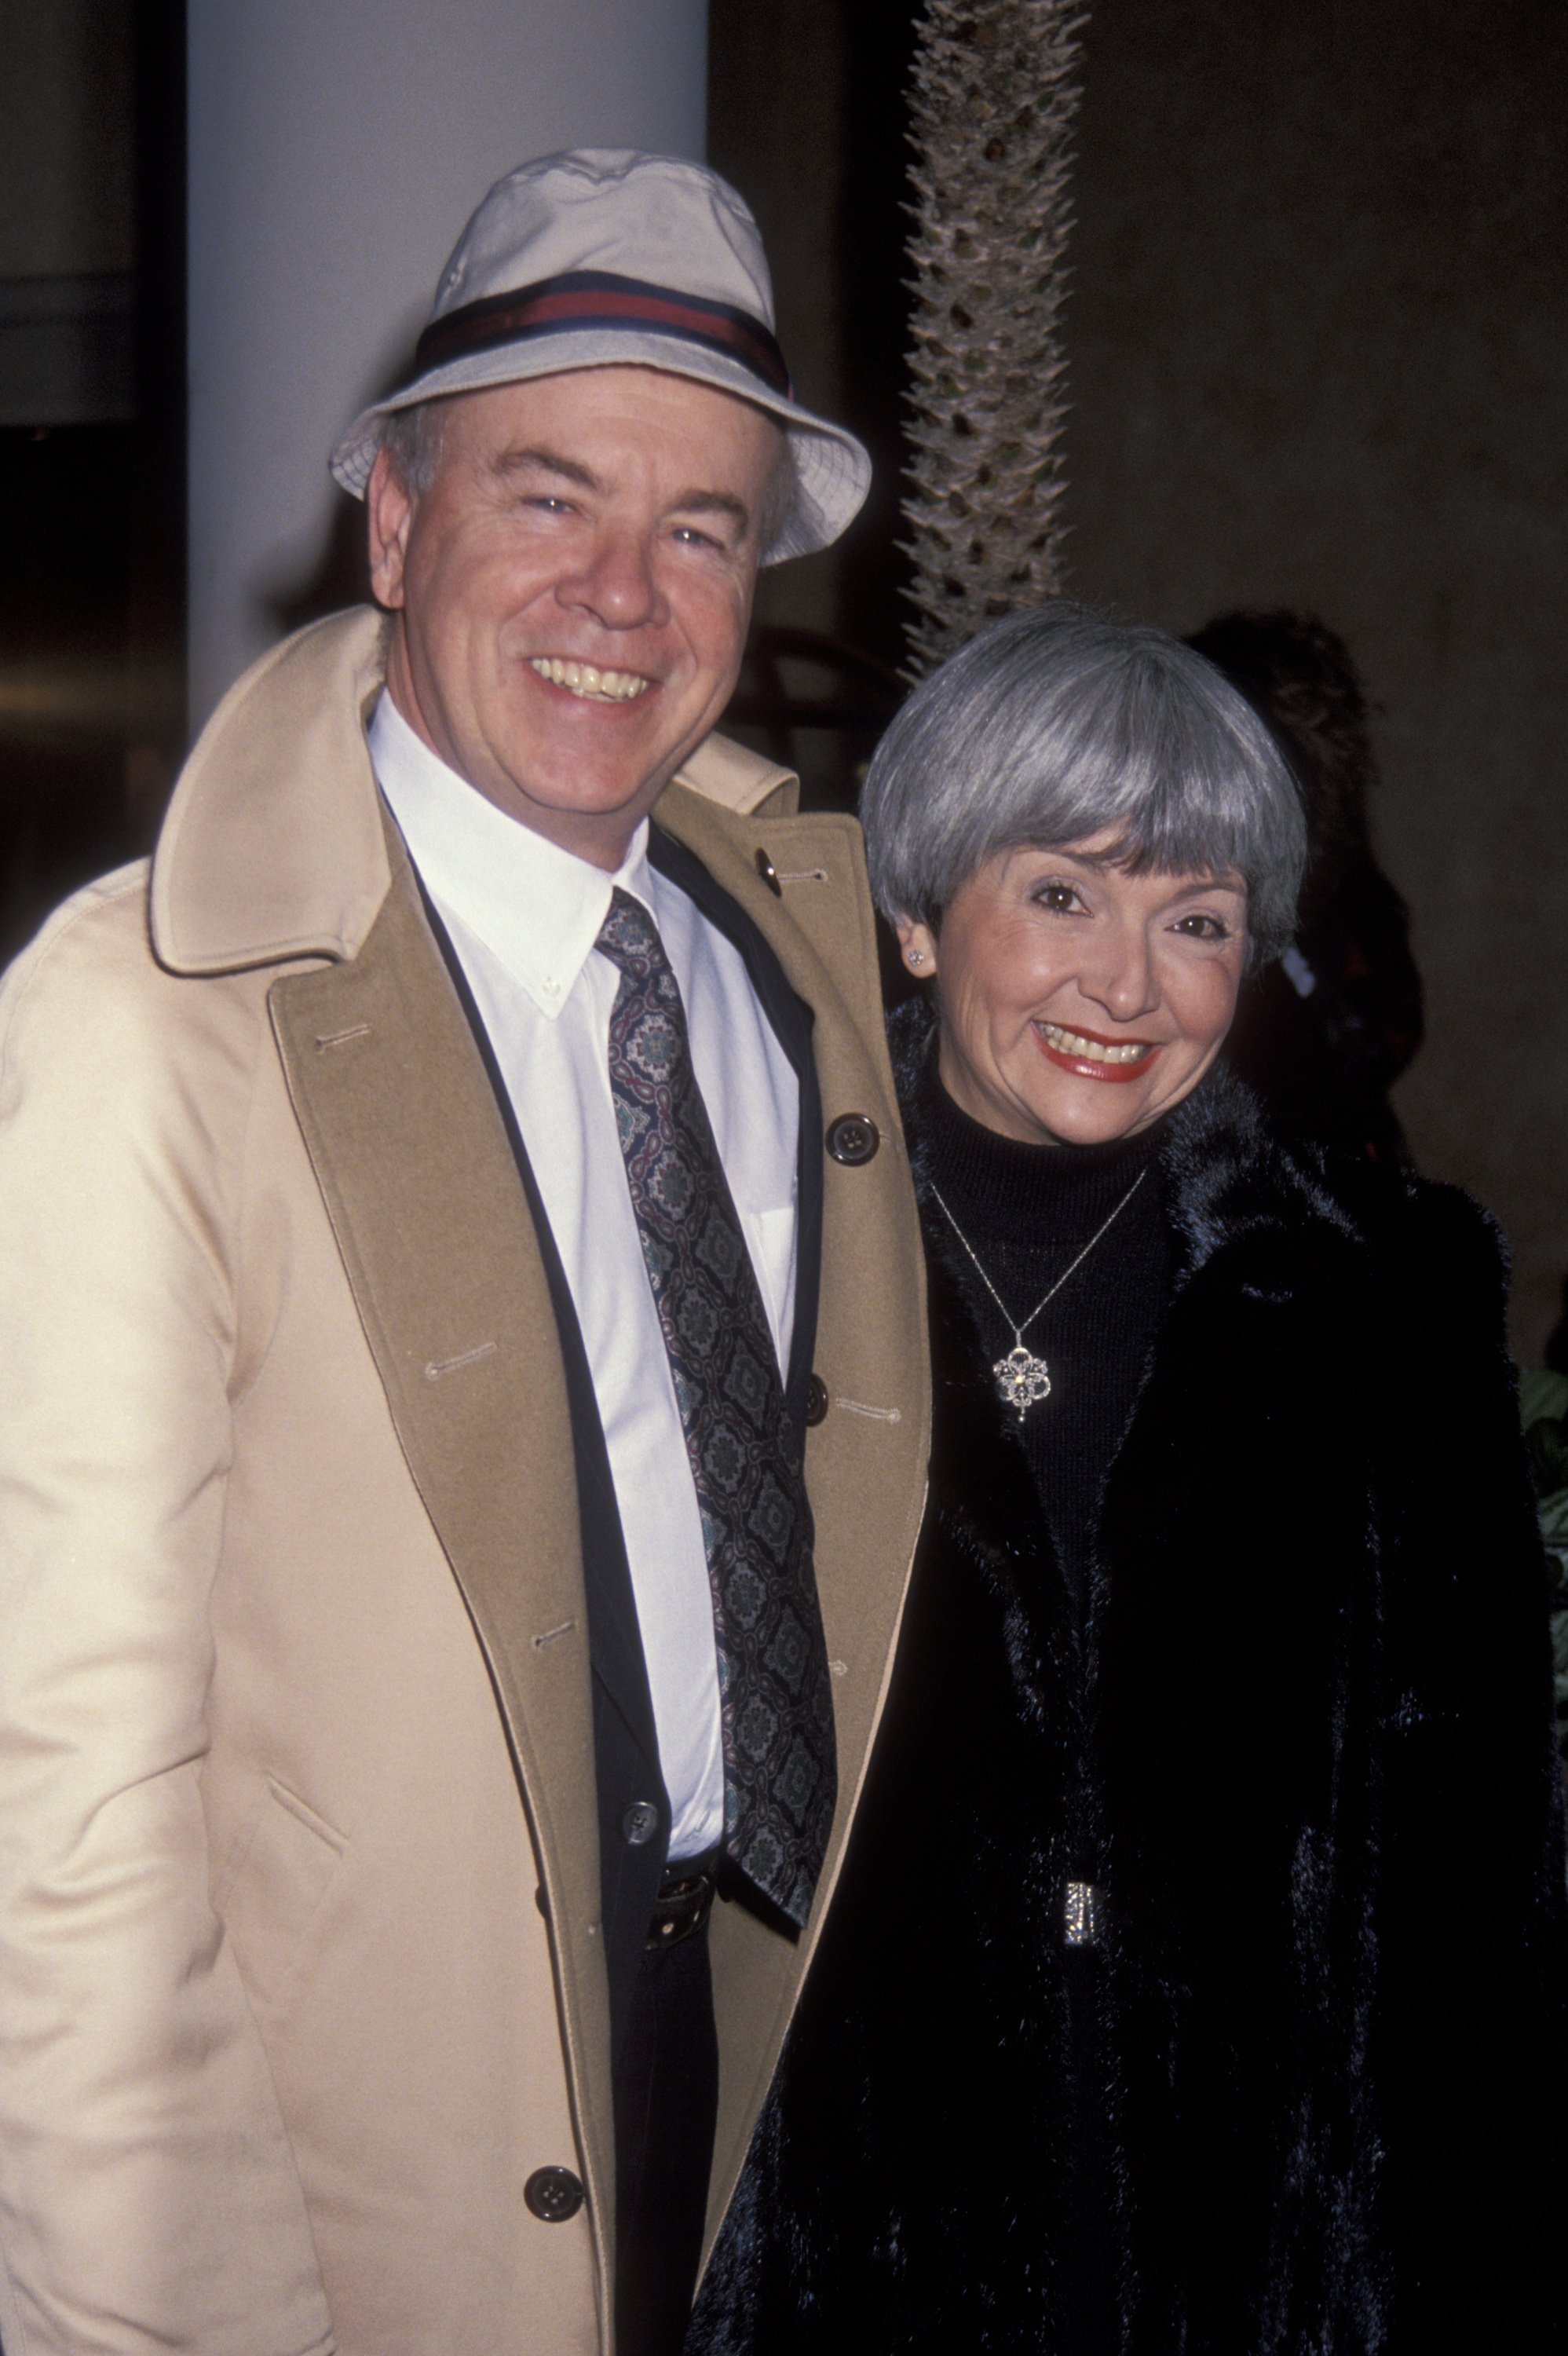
x=588, y=682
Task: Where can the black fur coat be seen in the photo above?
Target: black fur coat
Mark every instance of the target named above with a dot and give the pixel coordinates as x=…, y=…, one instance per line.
x=1305, y=2093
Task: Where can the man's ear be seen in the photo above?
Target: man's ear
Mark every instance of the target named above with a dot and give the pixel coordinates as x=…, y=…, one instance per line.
x=389, y=513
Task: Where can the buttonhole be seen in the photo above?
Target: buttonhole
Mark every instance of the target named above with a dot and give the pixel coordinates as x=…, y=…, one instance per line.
x=804, y=876
x=439, y=1366
x=341, y=1038
x=550, y=1634
x=876, y=1414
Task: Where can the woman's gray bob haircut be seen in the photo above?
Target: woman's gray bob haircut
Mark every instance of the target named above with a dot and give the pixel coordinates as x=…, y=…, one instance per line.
x=1059, y=724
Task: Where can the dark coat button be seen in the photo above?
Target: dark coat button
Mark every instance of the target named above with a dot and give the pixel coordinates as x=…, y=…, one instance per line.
x=853, y=1138
x=769, y=873
x=815, y=1399
x=553, y=2194
x=640, y=1823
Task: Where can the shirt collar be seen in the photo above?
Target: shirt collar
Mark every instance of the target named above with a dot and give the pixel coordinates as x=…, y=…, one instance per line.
x=537, y=908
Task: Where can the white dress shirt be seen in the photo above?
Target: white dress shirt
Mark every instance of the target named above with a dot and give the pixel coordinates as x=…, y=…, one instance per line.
x=523, y=917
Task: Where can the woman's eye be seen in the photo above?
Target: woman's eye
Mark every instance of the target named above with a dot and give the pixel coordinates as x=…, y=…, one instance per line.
x=1060, y=899
x=1203, y=927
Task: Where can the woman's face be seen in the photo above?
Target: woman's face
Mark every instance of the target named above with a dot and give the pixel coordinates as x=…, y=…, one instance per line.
x=1079, y=1002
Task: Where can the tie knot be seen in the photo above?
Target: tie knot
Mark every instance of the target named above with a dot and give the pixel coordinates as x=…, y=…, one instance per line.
x=630, y=938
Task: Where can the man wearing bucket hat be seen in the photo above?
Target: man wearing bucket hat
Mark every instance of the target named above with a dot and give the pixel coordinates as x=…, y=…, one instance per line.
x=463, y=1373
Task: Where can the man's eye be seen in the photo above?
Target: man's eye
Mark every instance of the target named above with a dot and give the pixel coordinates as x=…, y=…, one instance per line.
x=689, y=537
x=550, y=504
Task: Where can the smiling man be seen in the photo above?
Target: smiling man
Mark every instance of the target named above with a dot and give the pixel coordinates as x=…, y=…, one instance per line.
x=464, y=1374
x=572, y=589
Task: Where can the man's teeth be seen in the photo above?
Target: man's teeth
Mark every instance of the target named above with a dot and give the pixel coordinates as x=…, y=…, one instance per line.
x=1090, y=1051
x=586, y=679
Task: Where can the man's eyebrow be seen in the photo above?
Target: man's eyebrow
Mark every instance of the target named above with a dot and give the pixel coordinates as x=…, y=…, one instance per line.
x=693, y=501
x=701, y=502
x=547, y=462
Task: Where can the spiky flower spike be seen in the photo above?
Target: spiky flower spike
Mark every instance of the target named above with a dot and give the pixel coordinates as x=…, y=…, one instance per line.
x=993, y=99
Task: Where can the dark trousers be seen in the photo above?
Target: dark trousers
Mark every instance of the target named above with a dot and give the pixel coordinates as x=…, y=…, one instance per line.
x=666, y=2097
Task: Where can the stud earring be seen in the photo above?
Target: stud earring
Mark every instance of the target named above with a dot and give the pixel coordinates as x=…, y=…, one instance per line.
x=915, y=957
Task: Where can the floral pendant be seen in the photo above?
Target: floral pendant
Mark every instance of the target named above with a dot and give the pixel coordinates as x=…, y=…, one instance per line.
x=1021, y=1380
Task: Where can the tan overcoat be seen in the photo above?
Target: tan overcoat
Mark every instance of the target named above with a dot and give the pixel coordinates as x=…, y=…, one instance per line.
x=300, y=1962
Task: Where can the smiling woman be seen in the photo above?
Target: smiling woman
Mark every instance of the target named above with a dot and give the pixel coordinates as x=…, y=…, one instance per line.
x=1084, y=832
x=1038, y=946
x=1225, y=1654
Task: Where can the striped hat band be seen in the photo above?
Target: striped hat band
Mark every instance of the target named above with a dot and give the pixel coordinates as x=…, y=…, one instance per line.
x=599, y=298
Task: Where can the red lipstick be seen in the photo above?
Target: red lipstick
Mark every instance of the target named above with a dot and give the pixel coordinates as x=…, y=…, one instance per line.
x=1085, y=1067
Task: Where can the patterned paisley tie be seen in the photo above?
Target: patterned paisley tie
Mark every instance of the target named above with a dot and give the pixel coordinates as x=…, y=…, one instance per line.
x=775, y=1701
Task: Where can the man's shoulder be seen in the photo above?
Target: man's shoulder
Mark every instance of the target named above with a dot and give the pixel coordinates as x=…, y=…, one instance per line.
x=100, y=928
x=87, y=1003
x=732, y=777
x=800, y=880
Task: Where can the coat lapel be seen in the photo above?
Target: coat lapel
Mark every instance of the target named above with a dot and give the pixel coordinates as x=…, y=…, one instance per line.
x=421, y=1188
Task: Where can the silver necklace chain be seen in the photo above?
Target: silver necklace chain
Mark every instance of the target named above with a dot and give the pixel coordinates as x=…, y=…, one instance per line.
x=1022, y=1379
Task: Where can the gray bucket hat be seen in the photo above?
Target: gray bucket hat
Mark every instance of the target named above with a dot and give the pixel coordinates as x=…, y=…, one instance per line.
x=602, y=257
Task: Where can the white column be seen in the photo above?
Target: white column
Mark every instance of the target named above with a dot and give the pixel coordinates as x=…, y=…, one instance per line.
x=336, y=147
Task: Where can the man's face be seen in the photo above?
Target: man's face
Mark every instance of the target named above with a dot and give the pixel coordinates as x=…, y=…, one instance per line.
x=572, y=591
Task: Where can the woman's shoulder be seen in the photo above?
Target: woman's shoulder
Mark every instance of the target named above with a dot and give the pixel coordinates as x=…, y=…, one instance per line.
x=1402, y=1212
x=1230, y=1171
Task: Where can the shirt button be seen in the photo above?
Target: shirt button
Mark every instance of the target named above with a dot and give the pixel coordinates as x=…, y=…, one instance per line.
x=853, y=1138
x=815, y=1400
x=553, y=2194
x=640, y=1823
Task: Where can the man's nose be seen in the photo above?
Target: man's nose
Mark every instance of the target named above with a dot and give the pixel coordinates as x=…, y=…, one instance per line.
x=617, y=584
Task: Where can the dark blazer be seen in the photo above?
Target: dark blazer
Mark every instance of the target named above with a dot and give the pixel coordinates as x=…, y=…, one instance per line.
x=1305, y=2095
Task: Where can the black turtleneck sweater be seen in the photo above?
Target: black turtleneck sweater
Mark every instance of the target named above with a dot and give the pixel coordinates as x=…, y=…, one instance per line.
x=1027, y=1211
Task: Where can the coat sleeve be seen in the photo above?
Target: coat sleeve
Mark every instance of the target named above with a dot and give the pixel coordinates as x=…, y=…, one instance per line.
x=148, y=2195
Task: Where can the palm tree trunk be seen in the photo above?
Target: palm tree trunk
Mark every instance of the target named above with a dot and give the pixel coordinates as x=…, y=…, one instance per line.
x=994, y=94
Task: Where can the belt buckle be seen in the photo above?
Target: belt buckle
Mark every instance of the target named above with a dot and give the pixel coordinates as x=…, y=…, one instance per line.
x=1081, y=1926
x=685, y=1903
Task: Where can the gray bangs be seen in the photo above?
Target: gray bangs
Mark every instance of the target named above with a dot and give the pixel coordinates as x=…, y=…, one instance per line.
x=1059, y=724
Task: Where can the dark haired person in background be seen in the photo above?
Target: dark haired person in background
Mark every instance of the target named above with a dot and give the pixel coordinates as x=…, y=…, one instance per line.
x=1196, y=1976
x=1322, y=1034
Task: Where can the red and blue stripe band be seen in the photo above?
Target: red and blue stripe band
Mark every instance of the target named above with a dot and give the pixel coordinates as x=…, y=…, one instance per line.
x=599, y=299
